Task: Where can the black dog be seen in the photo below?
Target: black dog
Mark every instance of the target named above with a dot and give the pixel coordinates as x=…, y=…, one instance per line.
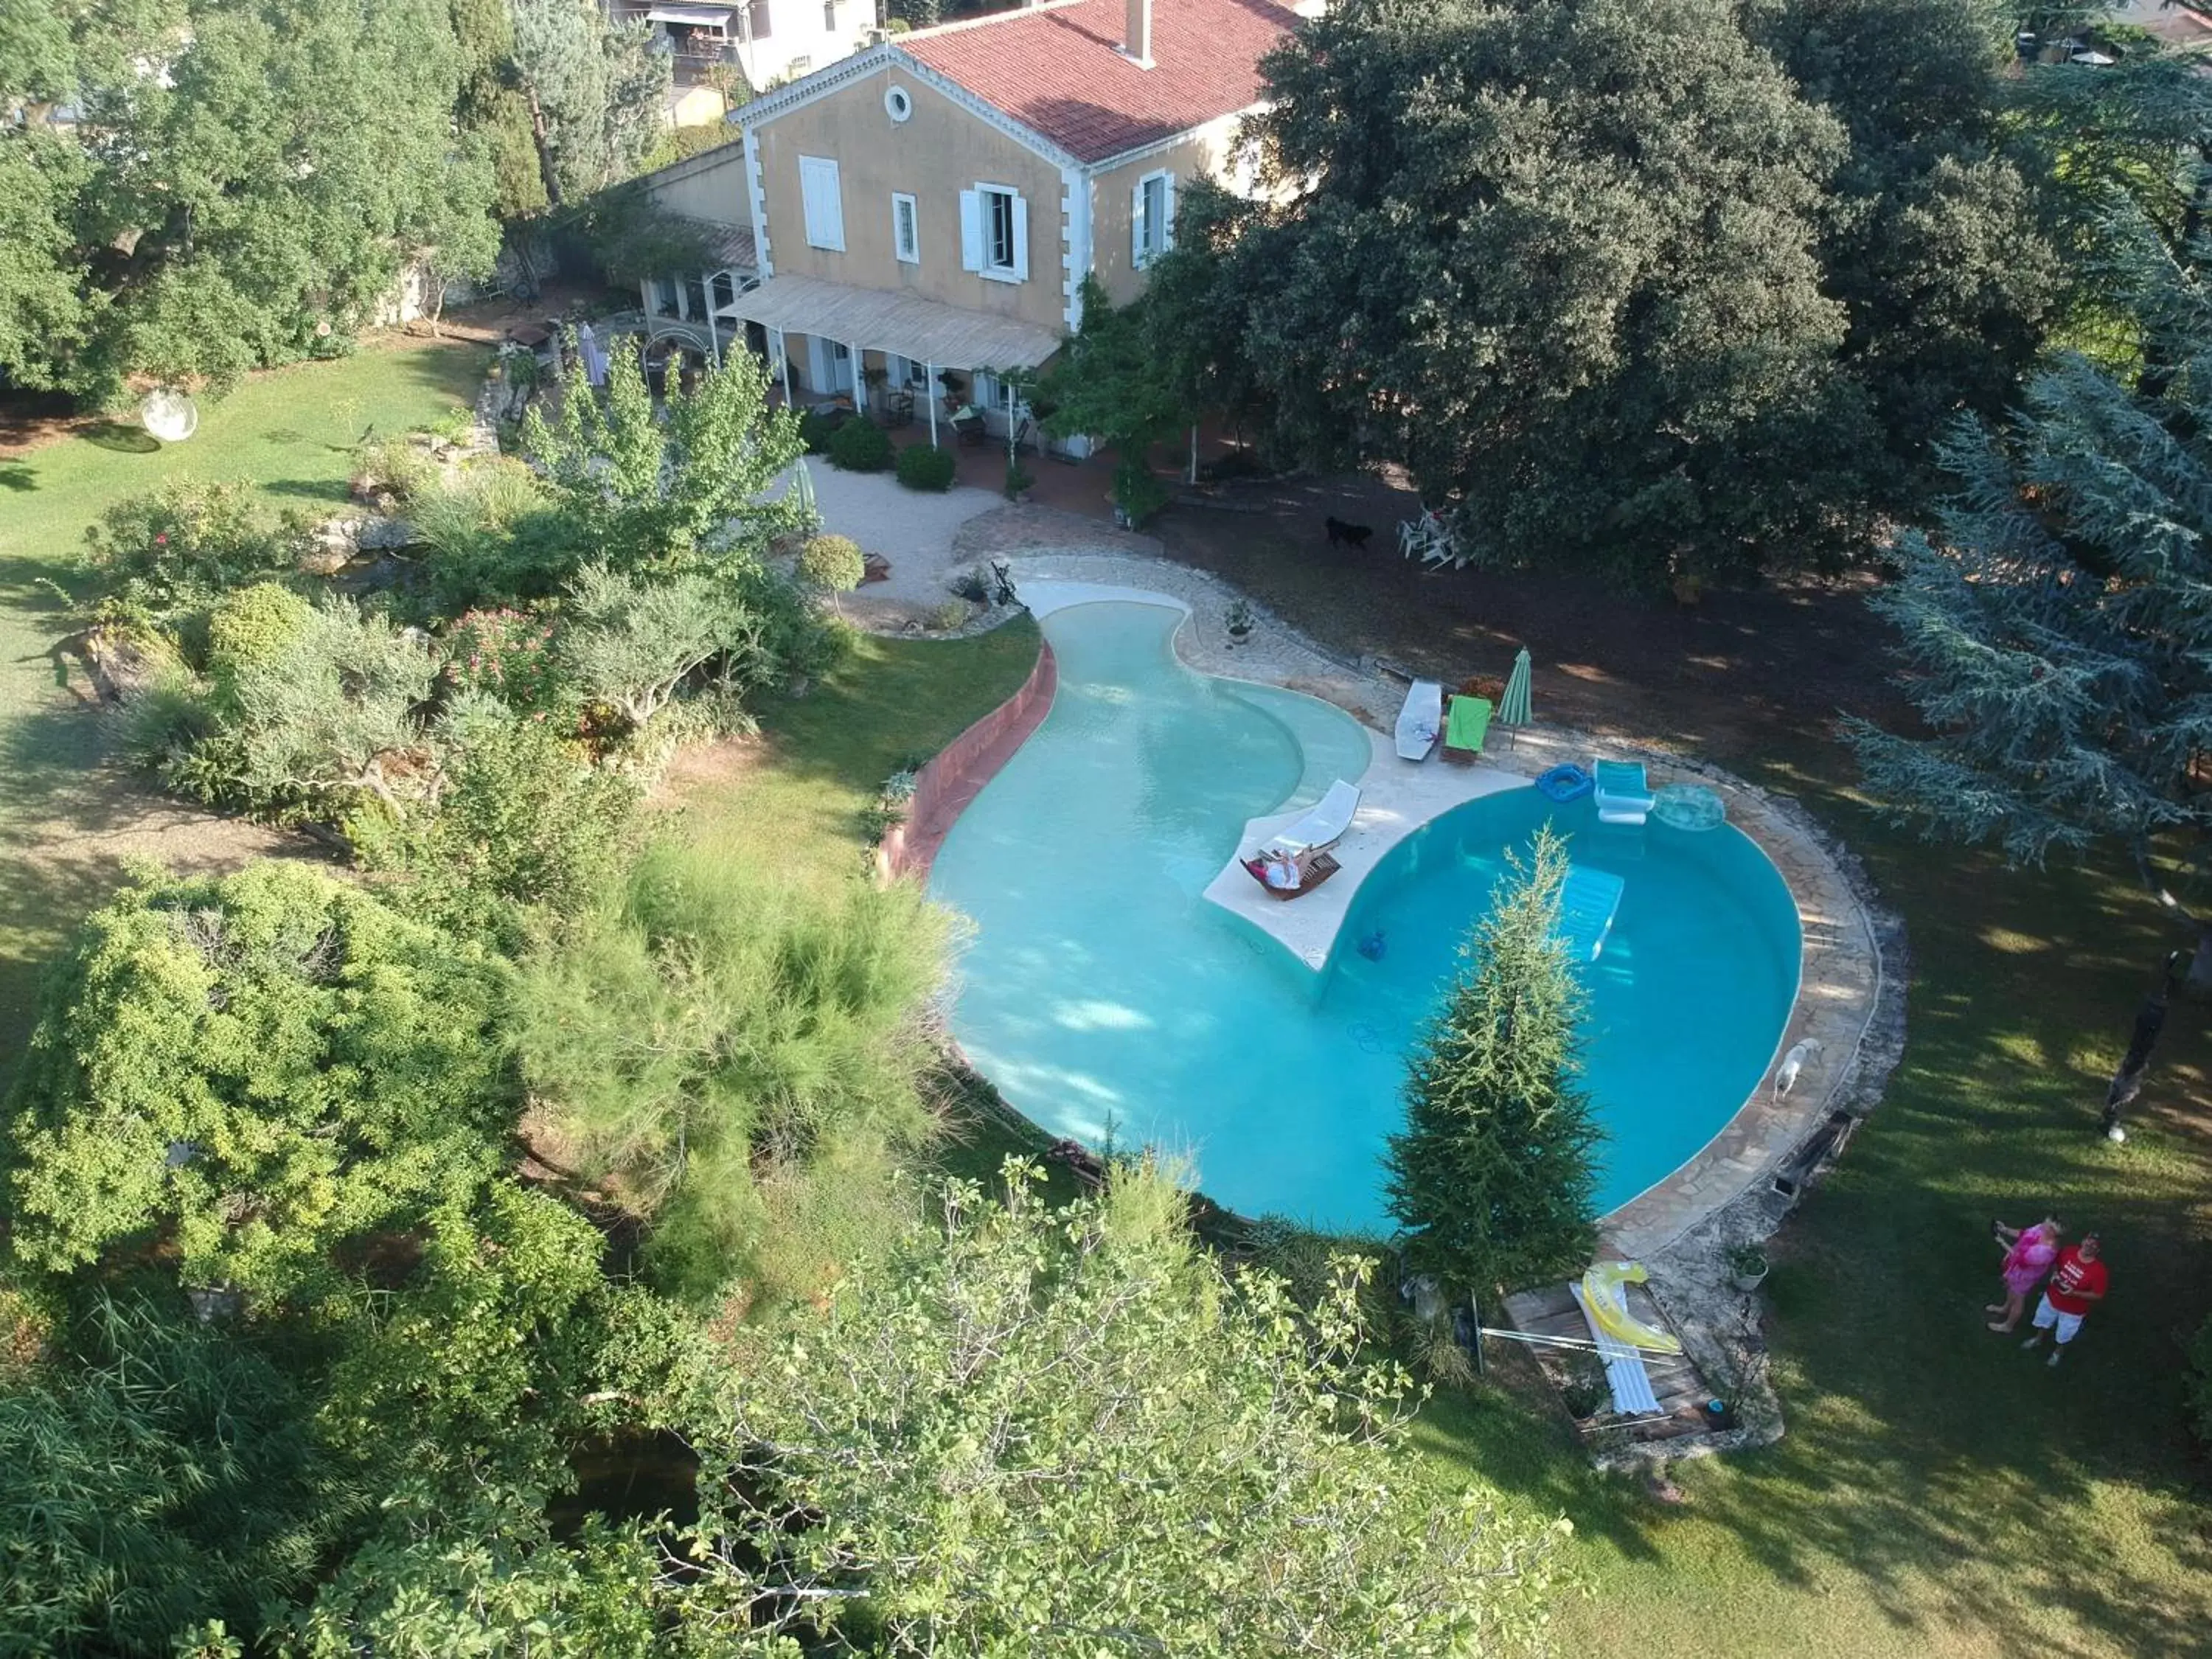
x=1348, y=535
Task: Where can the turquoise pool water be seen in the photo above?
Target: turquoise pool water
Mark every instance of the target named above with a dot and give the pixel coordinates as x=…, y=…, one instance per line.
x=1107, y=999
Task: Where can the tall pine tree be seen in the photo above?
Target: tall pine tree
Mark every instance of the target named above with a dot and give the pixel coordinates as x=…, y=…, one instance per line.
x=2060, y=619
x=1494, y=1178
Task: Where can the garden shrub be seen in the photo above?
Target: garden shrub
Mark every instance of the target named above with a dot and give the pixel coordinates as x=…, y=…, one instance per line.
x=397, y=466
x=921, y=467
x=491, y=535
x=163, y=723
x=508, y=654
x=832, y=564
x=179, y=547
x=634, y=640
x=303, y=728
x=971, y=584
x=1017, y=481
x=249, y=629
x=816, y=427
x=860, y=446
x=278, y=1033
x=524, y=818
x=949, y=615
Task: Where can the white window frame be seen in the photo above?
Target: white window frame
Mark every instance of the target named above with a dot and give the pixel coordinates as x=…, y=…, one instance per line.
x=1150, y=235
x=816, y=174
x=975, y=233
x=910, y=254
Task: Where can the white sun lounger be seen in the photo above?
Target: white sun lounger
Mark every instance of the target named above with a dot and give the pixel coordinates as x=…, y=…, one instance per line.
x=1325, y=825
x=1421, y=720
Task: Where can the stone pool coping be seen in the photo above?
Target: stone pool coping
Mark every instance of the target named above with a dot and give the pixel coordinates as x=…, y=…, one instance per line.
x=1842, y=981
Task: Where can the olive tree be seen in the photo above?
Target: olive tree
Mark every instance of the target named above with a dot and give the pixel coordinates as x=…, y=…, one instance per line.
x=1024, y=1430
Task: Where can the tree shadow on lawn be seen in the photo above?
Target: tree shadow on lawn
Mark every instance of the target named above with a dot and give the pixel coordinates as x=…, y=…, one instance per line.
x=17, y=474
x=331, y=490
x=125, y=437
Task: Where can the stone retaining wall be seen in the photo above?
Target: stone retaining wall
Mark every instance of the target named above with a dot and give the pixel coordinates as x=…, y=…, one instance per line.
x=956, y=774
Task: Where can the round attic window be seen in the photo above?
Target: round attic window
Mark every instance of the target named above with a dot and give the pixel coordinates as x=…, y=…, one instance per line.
x=899, y=102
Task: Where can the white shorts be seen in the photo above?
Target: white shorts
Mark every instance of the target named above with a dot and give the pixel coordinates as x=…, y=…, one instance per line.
x=2047, y=1317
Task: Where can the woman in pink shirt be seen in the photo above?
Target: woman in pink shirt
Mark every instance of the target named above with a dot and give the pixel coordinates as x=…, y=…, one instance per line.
x=2028, y=1256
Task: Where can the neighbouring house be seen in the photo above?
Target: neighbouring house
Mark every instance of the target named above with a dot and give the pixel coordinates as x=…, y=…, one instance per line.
x=929, y=207
x=765, y=41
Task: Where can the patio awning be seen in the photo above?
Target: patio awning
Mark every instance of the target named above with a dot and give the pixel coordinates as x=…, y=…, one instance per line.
x=878, y=320
x=712, y=17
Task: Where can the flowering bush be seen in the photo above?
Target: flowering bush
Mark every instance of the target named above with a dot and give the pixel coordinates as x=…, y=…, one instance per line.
x=508, y=653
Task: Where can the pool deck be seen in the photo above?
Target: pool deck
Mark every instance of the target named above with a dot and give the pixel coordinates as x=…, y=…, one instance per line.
x=1396, y=798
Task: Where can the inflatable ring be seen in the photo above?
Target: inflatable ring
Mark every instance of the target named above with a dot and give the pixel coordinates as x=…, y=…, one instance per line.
x=1566, y=783
x=1689, y=806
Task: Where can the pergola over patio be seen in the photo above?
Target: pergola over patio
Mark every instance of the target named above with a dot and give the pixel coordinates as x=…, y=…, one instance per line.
x=921, y=330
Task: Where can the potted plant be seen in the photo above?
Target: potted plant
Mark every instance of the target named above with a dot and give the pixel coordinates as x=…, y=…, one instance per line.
x=873, y=378
x=1240, y=620
x=1746, y=1266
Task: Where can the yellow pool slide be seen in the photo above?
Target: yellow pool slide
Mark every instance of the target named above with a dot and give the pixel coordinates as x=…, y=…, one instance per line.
x=1605, y=1295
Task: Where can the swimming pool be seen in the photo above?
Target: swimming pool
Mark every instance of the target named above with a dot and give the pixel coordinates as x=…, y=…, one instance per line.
x=1109, y=1001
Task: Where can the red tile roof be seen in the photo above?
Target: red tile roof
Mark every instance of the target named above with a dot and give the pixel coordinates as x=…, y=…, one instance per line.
x=1059, y=71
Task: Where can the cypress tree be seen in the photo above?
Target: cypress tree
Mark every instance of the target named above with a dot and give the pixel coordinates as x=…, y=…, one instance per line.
x=1493, y=1178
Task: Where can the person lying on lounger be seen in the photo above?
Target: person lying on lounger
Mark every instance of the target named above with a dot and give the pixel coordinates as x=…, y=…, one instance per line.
x=1281, y=871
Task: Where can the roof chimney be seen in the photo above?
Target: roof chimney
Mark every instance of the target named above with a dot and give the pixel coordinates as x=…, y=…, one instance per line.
x=1137, y=33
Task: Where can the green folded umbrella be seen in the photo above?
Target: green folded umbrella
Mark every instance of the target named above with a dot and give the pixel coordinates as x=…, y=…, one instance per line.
x=1513, y=707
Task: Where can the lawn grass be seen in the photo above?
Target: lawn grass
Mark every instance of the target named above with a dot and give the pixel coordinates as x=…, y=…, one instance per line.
x=1938, y=1492
x=799, y=799
x=292, y=432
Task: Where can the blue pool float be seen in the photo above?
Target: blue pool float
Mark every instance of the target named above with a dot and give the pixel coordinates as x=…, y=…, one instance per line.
x=1565, y=783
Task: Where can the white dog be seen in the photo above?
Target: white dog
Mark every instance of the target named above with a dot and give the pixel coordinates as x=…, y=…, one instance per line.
x=1785, y=1075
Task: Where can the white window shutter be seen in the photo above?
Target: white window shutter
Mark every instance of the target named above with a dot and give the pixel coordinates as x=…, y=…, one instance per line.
x=1137, y=226
x=1167, y=213
x=1021, y=239
x=971, y=230
x=823, y=202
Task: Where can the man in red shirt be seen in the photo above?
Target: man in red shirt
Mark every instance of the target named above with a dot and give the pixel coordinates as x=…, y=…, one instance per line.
x=2076, y=1285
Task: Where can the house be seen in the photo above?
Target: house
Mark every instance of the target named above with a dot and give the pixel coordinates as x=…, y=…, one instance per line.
x=931, y=204
x=767, y=41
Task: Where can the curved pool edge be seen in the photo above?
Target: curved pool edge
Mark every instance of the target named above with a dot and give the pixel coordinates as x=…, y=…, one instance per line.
x=1843, y=988
x=951, y=778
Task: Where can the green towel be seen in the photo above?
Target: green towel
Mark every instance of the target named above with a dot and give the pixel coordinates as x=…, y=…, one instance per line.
x=1469, y=723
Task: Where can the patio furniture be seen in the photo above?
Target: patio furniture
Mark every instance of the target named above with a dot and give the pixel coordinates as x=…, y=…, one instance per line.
x=1324, y=826
x=1313, y=868
x=898, y=408
x=968, y=421
x=1467, y=729
x=1624, y=796
x=874, y=567
x=1589, y=901
x=1421, y=720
